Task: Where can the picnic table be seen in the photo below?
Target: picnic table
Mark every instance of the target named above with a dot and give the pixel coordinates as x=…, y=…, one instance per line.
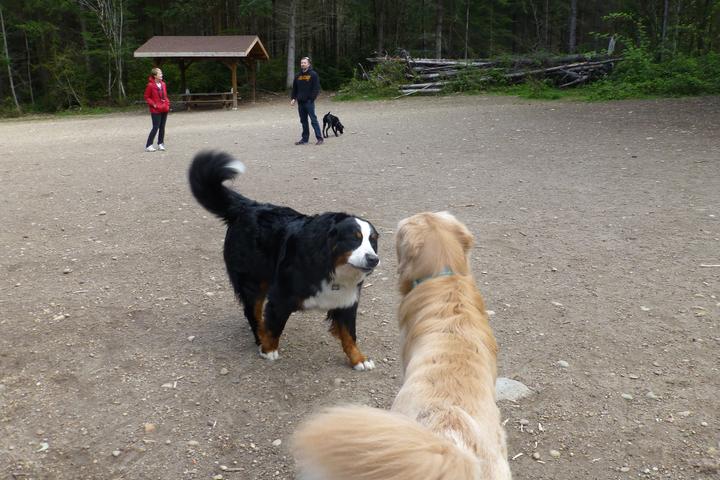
x=225, y=99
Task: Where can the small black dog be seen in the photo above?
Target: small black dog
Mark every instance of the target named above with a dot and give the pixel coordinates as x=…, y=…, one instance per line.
x=331, y=121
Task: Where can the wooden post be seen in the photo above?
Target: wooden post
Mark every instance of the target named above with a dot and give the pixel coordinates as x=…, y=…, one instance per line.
x=233, y=68
x=183, y=83
x=252, y=78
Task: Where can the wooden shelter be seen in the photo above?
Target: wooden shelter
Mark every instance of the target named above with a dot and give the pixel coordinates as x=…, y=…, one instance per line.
x=228, y=49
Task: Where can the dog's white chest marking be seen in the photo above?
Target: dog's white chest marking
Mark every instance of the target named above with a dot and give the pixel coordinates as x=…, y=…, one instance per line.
x=339, y=292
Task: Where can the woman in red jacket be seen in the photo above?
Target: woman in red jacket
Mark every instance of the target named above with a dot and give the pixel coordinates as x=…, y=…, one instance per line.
x=157, y=99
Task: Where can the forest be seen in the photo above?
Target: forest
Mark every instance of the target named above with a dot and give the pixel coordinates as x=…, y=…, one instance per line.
x=73, y=54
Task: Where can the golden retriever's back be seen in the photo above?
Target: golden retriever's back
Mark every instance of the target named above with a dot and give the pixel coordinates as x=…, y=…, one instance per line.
x=444, y=423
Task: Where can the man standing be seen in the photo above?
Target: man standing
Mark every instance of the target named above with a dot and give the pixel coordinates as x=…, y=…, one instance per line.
x=306, y=87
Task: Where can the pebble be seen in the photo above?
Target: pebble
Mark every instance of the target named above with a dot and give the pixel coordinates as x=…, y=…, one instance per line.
x=193, y=443
x=704, y=424
x=277, y=442
x=116, y=453
x=685, y=413
x=508, y=389
x=66, y=271
x=554, y=453
x=632, y=376
x=524, y=421
x=191, y=338
x=218, y=477
x=651, y=396
x=224, y=371
x=536, y=455
x=562, y=364
x=624, y=469
x=627, y=396
x=150, y=428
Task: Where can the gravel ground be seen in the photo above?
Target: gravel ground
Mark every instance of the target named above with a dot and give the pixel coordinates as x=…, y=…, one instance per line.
x=123, y=354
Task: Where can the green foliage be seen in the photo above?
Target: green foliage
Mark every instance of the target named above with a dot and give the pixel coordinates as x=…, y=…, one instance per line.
x=271, y=75
x=333, y=77
x=476, y=81
x=67, y=61
x=383, y=82
x=638, y=77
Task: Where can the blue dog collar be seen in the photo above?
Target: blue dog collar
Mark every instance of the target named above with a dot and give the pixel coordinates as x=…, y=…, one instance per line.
x=445, y=272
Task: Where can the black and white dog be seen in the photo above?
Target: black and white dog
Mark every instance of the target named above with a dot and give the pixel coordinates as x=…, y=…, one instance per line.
x=331, y=121
x=293, y=261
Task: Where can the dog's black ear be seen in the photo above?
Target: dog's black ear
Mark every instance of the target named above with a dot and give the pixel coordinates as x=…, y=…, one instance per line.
x=332, y=238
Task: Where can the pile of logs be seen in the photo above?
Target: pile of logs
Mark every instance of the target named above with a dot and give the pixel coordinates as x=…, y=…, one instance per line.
x=430, y=75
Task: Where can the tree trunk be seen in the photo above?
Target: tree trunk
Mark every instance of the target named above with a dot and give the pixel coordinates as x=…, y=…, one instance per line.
x=547, y=24
x=438, y=29
x=678, y=7
x=424, y=33
x=572, y=43
x=467, y=26
x=86, y=47
x=337, y=32
x=291, y=46
x=702, y=27
x=29, y=70
x=7, y=59
x=110, y=15
x=666, y=12
x=380, y=5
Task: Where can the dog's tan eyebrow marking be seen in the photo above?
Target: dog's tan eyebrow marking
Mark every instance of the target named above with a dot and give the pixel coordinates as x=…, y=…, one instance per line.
x=358, y=235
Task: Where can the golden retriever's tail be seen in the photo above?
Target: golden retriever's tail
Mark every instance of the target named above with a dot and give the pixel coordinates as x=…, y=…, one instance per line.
x=362, y=443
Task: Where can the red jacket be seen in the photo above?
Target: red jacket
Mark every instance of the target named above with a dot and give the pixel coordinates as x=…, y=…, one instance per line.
x=157, y=99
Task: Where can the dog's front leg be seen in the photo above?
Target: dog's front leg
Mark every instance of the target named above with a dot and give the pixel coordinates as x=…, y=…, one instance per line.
x=342, y=326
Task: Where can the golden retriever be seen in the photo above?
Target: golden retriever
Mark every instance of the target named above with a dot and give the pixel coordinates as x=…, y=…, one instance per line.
x=444, y=423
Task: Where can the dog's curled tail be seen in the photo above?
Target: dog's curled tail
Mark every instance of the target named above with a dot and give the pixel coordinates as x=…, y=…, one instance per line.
x=207, y=172
x=362, y=443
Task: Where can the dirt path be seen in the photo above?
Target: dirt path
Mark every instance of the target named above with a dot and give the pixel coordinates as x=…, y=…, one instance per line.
x=592, y=224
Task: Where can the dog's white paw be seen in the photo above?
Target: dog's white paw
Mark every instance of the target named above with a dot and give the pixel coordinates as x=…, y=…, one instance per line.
x=271, y=355
x=366, y=365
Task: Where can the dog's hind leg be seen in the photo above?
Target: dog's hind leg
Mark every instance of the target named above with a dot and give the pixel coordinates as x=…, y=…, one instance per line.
x=252, y=297
x=342, y=326
x=272, y=324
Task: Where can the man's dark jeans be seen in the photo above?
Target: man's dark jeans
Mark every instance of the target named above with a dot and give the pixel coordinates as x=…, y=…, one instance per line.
x=307, y=108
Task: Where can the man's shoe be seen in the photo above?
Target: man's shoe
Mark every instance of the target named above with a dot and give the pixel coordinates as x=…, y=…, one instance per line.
x=150, y=149
x=161, y=147
x=319, y=142
x=301, y=142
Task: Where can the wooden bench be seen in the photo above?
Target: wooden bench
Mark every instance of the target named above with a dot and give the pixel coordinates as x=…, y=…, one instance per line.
x=224, y=99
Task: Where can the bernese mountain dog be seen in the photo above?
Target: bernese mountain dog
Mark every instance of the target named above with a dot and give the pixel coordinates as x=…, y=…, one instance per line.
x=280, y=261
